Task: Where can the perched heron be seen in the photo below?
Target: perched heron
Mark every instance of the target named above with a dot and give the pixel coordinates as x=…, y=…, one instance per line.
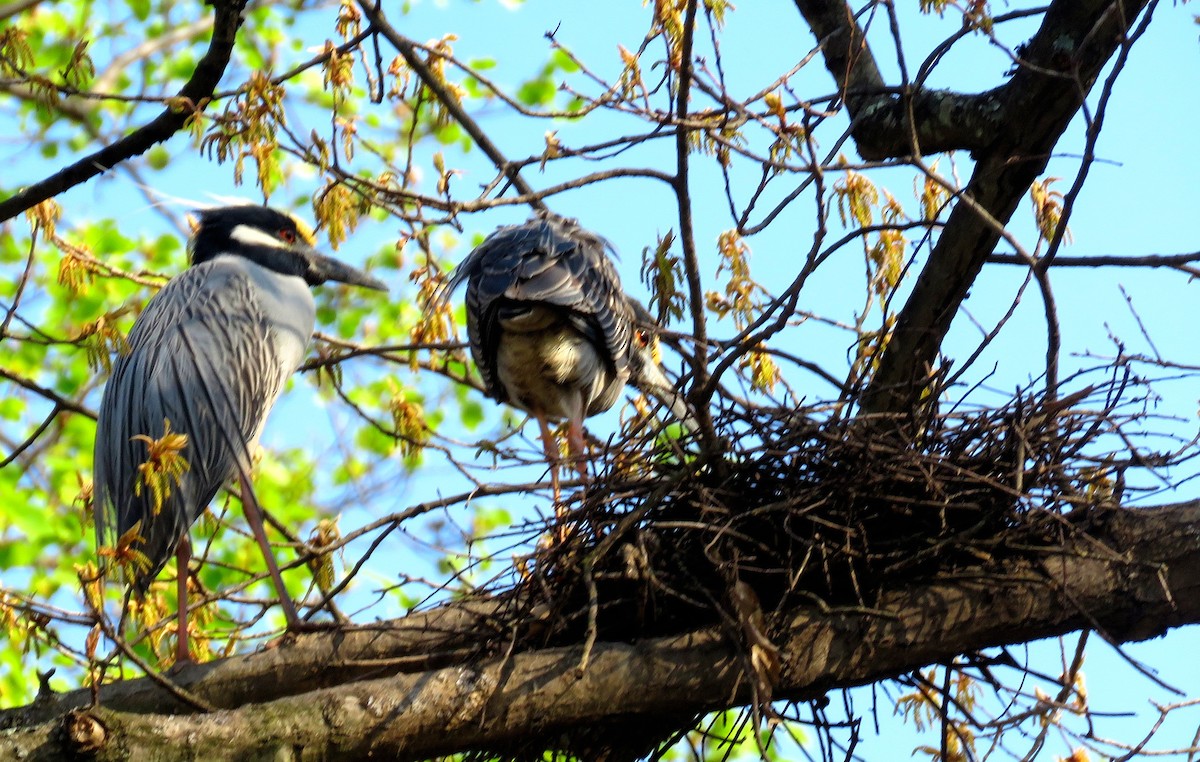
x=553, y=332
x=207, y=358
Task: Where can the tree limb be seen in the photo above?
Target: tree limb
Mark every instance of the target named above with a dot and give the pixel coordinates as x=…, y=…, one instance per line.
x=847, y=56
x=1135, y=574
x=887, y=119
x=1062, y=62
x=196, y=91
x=1010, y=130
x=308, y=662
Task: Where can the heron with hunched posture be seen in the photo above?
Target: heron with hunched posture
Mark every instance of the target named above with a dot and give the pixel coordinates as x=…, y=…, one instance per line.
x=206, y=359
x=552, y=331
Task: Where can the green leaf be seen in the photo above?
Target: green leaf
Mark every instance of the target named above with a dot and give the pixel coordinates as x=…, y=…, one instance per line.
x=158, y=157
x=537, y=92
x=564, y=62
x=472, y=415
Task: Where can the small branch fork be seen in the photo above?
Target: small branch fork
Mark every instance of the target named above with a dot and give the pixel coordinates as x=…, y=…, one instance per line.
x=1044, y=84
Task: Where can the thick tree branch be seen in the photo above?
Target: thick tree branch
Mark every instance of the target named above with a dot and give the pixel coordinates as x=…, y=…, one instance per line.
x=1060, y=64
x=196, y=92
x=1010, y=130
x=1135, y=574
x=887, y=120
x=940, y=121
x=309, y=662
x=844, y=46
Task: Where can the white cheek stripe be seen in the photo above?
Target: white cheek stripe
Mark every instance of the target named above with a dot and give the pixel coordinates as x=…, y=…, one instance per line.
x=255, y=237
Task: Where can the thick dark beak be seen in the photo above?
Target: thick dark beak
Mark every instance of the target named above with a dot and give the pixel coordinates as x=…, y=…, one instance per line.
x=646, y=374
x=322, y=268
x=647, y=377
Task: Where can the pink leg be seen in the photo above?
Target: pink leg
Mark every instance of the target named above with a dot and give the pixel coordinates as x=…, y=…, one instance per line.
x=183, y=560
x=550, y=447
x=577, y=447
x=254, y=518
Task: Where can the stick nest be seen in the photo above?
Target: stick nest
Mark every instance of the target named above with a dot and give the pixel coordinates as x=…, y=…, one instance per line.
x=806, y=508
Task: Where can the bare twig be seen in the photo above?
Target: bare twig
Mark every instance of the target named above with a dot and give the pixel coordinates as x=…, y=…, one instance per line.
x=408, y=50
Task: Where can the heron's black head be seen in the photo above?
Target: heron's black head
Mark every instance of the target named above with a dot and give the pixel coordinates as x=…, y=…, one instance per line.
x=273, y=240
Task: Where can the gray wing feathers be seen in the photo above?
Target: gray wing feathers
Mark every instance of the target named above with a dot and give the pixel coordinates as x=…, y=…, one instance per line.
x=547, y=261
x=198, y=359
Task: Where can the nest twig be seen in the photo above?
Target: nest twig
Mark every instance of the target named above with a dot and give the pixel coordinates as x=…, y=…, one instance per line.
x=809, y=511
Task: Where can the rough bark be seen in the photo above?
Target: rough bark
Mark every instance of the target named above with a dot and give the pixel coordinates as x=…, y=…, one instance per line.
x=1133, y=576
x=1010, y=130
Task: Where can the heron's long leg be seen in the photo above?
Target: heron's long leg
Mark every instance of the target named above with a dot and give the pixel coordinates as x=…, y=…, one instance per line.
x=255, y=519
x=550, y=447
x=577, y=452
x=577, y=446
x=183, y=560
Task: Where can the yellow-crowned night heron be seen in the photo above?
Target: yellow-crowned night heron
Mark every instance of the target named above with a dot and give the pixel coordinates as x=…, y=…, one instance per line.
x=553, y=332
x=210, y=354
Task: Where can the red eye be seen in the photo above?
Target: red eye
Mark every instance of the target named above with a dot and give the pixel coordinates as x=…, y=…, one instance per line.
x=642, y=338
x=287, y=236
